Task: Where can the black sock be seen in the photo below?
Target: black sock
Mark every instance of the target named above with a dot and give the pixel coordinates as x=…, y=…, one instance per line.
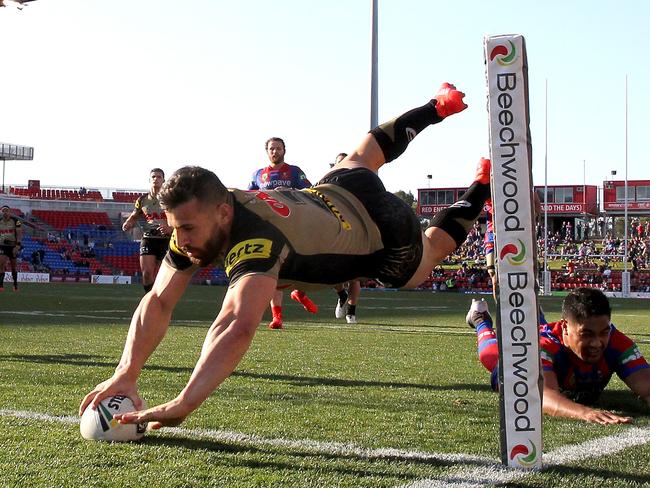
x=14, y=275
x=352, y=309
x=147, y=288
x=343, y=295
x=395, y=135
x=2, y=278
x=459, y=219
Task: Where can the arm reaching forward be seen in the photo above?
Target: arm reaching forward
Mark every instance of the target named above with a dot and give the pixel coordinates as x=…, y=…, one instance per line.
x=226, y=343
x=148, y=327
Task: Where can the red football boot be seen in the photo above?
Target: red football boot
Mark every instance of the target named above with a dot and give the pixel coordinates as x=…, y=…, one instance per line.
x=449, y=101
x=276, y=323
x=483, y=171
x=304, y=300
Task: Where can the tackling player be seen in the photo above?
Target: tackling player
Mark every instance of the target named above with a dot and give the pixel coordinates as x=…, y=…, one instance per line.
x=580, y=353
x=156, y=232
x=11, y=234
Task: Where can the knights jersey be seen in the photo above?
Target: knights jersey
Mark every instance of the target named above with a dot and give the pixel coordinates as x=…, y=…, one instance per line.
x=310, y=238
x=489, y=222
x=282, y=175
x=154, y=215
x=8, y=229
x=583, y=382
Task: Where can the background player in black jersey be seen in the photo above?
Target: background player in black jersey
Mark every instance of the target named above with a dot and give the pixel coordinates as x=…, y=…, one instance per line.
x=155, y=231
x=260, y=240
x=11, y=233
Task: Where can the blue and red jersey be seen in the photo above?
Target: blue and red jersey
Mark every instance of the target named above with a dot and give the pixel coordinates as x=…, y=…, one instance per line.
x=488, y=241
x=581, y=381
x=282, y=175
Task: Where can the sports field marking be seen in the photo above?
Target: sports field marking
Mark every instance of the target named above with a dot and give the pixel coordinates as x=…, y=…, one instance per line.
x=483, y=471
x=316, y=447
x=37, y=313
x=497, y=474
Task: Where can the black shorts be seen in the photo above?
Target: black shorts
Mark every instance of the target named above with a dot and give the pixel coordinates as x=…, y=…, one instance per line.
x=7, y=250
x=400, y=230
x=154, y=246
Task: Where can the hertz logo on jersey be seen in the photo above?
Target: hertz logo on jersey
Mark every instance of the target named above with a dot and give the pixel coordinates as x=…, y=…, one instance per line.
x=245, y=250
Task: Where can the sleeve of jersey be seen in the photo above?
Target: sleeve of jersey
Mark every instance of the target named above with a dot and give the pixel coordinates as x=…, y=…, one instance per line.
x=629, y=358
x=300, y=179
x=258, y=255
x=176, y=257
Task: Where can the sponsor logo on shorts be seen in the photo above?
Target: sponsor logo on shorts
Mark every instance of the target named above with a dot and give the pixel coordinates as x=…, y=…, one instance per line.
x=245, y=250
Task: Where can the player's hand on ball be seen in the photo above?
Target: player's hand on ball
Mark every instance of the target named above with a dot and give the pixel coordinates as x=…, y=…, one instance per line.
x=116, y=385
x=168, y=414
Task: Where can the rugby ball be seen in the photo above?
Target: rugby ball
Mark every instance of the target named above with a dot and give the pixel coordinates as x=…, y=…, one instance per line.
x=99, y=424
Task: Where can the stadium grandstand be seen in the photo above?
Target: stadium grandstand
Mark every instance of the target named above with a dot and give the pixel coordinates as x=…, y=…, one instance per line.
x=73, y=234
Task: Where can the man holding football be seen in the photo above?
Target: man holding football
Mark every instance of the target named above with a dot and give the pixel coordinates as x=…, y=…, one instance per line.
x=345, y=227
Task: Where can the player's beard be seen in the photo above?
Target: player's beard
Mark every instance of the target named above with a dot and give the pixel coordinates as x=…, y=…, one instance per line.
x=211, y=251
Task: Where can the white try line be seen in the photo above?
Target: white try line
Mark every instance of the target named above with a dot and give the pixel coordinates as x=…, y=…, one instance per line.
x=482, y=476
x=473, y=472
x=316, y=447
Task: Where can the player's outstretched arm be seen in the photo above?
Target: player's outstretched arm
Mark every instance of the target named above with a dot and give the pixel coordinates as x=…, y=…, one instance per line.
x=639, y=383
x=556, y=404
x=227, y=341
x=148, y=327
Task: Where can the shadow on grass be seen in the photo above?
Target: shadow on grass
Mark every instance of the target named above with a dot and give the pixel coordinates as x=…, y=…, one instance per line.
x=628, y=479
x=96, y=361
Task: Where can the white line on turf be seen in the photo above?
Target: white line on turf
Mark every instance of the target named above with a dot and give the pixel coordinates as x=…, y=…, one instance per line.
x=480, y=476
x=309, y=445
x=482, y=471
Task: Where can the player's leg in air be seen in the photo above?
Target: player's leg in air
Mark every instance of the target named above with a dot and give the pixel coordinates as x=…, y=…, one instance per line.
x=480, y=320
x=386, y=142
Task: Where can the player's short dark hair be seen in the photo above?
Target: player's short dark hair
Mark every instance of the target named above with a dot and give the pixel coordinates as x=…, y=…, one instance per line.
x=157, y=170
x=274, y=139
x=582, y=303
x=191, y=182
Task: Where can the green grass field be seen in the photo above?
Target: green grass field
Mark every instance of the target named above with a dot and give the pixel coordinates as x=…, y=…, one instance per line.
x=397, y=398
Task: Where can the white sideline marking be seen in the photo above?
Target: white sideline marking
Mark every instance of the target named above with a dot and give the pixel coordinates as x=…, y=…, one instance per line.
x=480, y=476
x=303, y=444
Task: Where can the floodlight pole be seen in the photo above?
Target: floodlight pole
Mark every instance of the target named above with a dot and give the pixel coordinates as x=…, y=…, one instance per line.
x=374, y=85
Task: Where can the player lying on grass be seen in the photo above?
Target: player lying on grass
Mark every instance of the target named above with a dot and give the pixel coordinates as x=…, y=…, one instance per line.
x=345, y=227
x=579, y=355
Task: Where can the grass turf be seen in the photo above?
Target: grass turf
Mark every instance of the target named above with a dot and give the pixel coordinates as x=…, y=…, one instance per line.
x=406, y=377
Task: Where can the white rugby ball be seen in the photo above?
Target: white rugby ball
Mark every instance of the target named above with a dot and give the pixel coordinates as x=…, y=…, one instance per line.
x=99, y=424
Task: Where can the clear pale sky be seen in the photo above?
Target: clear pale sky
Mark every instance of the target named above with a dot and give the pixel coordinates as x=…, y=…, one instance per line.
x=106, y=90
